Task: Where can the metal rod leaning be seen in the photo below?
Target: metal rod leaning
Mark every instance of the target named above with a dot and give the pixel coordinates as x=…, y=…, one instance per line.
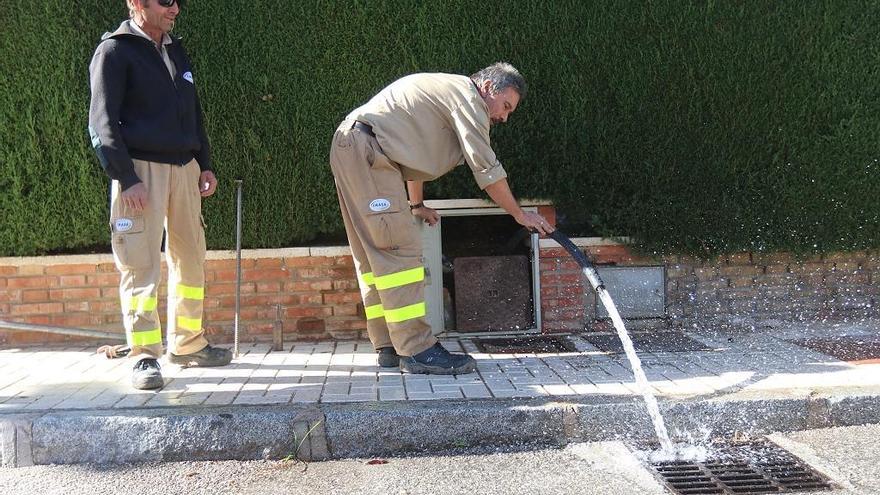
x=79, y=332
x=238, y=186
x=278, y=331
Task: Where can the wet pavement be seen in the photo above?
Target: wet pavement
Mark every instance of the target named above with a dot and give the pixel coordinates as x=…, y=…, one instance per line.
x=699, y=366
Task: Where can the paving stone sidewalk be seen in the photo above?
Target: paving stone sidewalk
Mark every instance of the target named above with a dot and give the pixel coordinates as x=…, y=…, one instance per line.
x=730, y=363
x=330, y=400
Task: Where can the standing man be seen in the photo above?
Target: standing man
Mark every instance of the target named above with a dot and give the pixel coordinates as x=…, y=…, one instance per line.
x=147, y=129
x=416, y=129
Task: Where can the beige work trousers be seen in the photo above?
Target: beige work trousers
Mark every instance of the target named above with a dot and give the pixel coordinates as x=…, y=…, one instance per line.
x=174, y=207
x=385, y=241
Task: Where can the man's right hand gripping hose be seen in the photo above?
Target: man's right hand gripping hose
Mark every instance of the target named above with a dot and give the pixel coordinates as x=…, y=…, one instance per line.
x=535, y=223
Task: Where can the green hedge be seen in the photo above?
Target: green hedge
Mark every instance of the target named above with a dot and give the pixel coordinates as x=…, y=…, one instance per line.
x=702, y=127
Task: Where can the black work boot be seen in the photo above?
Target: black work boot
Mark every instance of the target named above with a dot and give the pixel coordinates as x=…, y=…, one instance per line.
x=438, y=361
x=207, y=357
x=146, y=375
x=388, y=357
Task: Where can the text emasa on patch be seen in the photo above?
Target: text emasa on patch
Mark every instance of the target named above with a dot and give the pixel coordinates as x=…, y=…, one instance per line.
x=123, y=224
x=380, y=204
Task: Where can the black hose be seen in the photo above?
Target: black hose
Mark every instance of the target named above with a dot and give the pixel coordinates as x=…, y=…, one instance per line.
x=573, y=250
x=579, y=256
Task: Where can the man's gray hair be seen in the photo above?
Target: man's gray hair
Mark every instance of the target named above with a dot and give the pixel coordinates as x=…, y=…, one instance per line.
x=131, y=10
x=501, y=76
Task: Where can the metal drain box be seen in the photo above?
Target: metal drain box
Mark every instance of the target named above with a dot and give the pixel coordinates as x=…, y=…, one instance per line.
x=492, y=293
x=638, y=291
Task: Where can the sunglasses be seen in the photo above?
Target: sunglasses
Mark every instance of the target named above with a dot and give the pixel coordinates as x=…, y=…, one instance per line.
x=169, y=3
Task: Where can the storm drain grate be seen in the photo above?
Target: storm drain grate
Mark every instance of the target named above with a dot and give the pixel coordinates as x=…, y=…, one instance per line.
x=524, y=345
x=742, y=468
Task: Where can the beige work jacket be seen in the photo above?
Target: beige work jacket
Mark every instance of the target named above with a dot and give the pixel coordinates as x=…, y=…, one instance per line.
x=430, y=123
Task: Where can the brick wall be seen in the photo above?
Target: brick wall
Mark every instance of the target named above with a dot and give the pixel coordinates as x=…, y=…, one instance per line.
x=753, y=287
x=318, y=296
x=742, y=289
x=567, y=301
x=315, y=288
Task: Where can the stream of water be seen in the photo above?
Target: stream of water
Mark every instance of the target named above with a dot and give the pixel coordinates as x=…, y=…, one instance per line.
x=636, y=364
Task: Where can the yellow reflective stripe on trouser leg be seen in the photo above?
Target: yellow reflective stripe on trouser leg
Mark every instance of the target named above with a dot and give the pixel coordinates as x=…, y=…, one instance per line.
x=374, y=311
x=191, y=324
x=405, y=313
x=367, y=279
x=148, y=337
x=190, y=292
x=143, y=303
x=404, y=277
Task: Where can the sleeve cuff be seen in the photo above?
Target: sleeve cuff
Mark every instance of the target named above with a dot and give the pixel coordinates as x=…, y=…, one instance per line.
x=486, y=178
x=204, y=163
x=129, y=180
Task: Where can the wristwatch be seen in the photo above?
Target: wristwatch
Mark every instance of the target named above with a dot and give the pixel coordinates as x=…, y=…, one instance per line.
x=417, y=205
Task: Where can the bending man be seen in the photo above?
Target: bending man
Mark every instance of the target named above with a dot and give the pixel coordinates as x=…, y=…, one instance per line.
x=417, y=129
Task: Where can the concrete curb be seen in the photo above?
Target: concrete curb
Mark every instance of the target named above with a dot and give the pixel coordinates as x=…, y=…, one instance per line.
x=360, y=430
x=345, y=430
x=178, y=434
x=853, y=410
x=15, y=440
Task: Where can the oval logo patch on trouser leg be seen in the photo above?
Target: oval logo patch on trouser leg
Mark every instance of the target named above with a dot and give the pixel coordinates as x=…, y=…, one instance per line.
x=380, y=204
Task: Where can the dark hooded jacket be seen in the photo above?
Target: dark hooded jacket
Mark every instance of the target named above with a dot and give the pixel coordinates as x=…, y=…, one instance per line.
x=139, y=111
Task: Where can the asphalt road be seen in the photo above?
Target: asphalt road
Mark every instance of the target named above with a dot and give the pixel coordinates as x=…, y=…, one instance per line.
x=850, y=456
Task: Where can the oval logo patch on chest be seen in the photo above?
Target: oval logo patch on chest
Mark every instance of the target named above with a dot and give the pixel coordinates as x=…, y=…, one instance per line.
x=380, y=204
x=123, y=224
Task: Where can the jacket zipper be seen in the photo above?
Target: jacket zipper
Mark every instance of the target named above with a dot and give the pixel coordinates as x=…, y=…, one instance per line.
x=157, y=53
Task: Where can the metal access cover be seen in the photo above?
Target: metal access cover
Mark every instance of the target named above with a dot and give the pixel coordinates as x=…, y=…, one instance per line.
x=742, y=468
x=492, y=293
x=658, y=341
x=638, y=291
x=525, y=345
